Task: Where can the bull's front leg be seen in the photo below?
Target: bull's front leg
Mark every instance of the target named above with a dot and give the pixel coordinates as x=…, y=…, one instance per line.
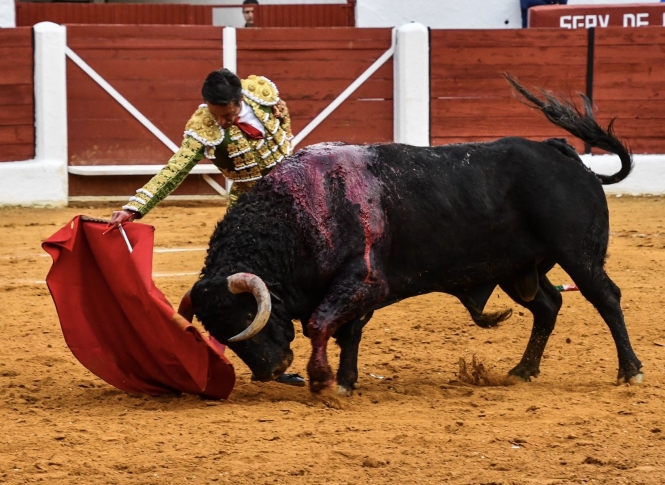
x=348, y=338
x=347, y=300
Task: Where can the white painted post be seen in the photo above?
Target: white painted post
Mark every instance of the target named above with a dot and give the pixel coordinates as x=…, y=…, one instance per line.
x=50, y=92
x=51, y=109
x=43, y=181
x=411, y=85
x=230, y=62
x=230, y=47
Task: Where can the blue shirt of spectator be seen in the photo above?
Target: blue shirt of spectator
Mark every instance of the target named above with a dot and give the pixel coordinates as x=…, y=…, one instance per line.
x=527, y=4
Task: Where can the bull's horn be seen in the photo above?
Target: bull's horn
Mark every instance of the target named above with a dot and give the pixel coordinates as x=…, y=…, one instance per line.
x=250, y=283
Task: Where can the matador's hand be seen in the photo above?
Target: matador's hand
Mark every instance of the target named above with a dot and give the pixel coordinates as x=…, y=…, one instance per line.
x=278, y=109
x=120, y=217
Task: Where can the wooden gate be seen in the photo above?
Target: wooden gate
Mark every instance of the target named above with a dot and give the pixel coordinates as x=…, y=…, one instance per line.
x=157, y=69
x=160, y=69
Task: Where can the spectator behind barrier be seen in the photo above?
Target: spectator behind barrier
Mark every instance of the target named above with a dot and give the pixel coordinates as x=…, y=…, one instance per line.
x=527, y=4
x=248, y=12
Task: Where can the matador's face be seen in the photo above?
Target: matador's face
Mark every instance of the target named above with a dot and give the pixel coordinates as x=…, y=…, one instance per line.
x=225, y=114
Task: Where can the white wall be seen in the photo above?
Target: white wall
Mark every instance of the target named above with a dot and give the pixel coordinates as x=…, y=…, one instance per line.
x=7, y=13
x=608, y=2
x=647, y=177
x=440, y=14
x=451, y=14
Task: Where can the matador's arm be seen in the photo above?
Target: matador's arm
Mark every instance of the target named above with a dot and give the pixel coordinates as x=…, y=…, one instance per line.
x=202, y=132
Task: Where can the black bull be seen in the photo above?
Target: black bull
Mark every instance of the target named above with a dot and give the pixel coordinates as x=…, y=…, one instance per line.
x=338, y=231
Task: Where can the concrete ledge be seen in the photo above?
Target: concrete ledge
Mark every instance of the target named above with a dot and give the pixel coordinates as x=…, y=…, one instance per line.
x=647, y=178
x=95, y=170
x=33, y=182
x=123, y=198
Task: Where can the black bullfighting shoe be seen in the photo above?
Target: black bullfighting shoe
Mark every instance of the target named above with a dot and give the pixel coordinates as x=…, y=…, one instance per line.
x=289, y=379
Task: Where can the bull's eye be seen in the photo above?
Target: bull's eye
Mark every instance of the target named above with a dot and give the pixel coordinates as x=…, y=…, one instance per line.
x=250, y=318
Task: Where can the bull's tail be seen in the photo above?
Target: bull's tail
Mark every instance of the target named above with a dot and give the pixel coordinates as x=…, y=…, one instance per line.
x=581, y=124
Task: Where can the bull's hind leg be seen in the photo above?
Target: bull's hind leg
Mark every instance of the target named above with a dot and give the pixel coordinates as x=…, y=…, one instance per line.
x=602, y=293
x=474, y=300
x=348, y=338
x=544, y=307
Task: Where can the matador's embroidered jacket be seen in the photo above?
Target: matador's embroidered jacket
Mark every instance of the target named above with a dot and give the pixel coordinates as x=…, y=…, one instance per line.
x=240, y=158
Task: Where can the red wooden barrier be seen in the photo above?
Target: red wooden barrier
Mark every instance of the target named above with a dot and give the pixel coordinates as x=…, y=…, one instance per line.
x=160, y=69
x=17, y=132
x=471, y=101
x=584, y=17
x=331, y=15
x=312, y=67
x=29, y=14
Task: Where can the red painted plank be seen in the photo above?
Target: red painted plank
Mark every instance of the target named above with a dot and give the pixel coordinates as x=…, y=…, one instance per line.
x=540, y=56
x=162, y=68
x=142, y=150
x=304, y=15
x=16, y=37
x=444, y=140
x=16, y=115
x=352, y=37
x=508, y=38
x=17, y=152
x=642, y=36
x=631, y=54
x=111, y=34
x=645, y=145
x=32, y=13
x=16, y=69
x=309, y=55
x=629, y=91
x=16, y=134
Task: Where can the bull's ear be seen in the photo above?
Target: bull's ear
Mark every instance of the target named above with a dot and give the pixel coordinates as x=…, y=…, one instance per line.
x=275, y=289
x=208, y=290
x=273, y=285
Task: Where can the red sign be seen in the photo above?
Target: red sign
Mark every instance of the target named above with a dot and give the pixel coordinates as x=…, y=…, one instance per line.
x=584, y=17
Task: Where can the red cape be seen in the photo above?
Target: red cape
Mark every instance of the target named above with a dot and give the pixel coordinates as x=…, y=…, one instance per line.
x=118, y=324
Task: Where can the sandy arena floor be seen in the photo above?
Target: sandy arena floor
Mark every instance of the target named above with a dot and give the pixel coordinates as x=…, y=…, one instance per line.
x=411, y=421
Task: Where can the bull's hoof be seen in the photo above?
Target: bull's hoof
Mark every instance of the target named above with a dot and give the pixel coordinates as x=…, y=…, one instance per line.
x=319, y=386
x=524, y=373
x=489, y=320
x=344, y=391
x=320, y=377
x=634, y=380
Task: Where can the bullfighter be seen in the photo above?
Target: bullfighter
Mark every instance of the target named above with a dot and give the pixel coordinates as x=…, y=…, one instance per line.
x=243, y=127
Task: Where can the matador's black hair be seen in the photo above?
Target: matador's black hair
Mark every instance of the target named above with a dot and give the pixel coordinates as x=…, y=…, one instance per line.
x=222, y=87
